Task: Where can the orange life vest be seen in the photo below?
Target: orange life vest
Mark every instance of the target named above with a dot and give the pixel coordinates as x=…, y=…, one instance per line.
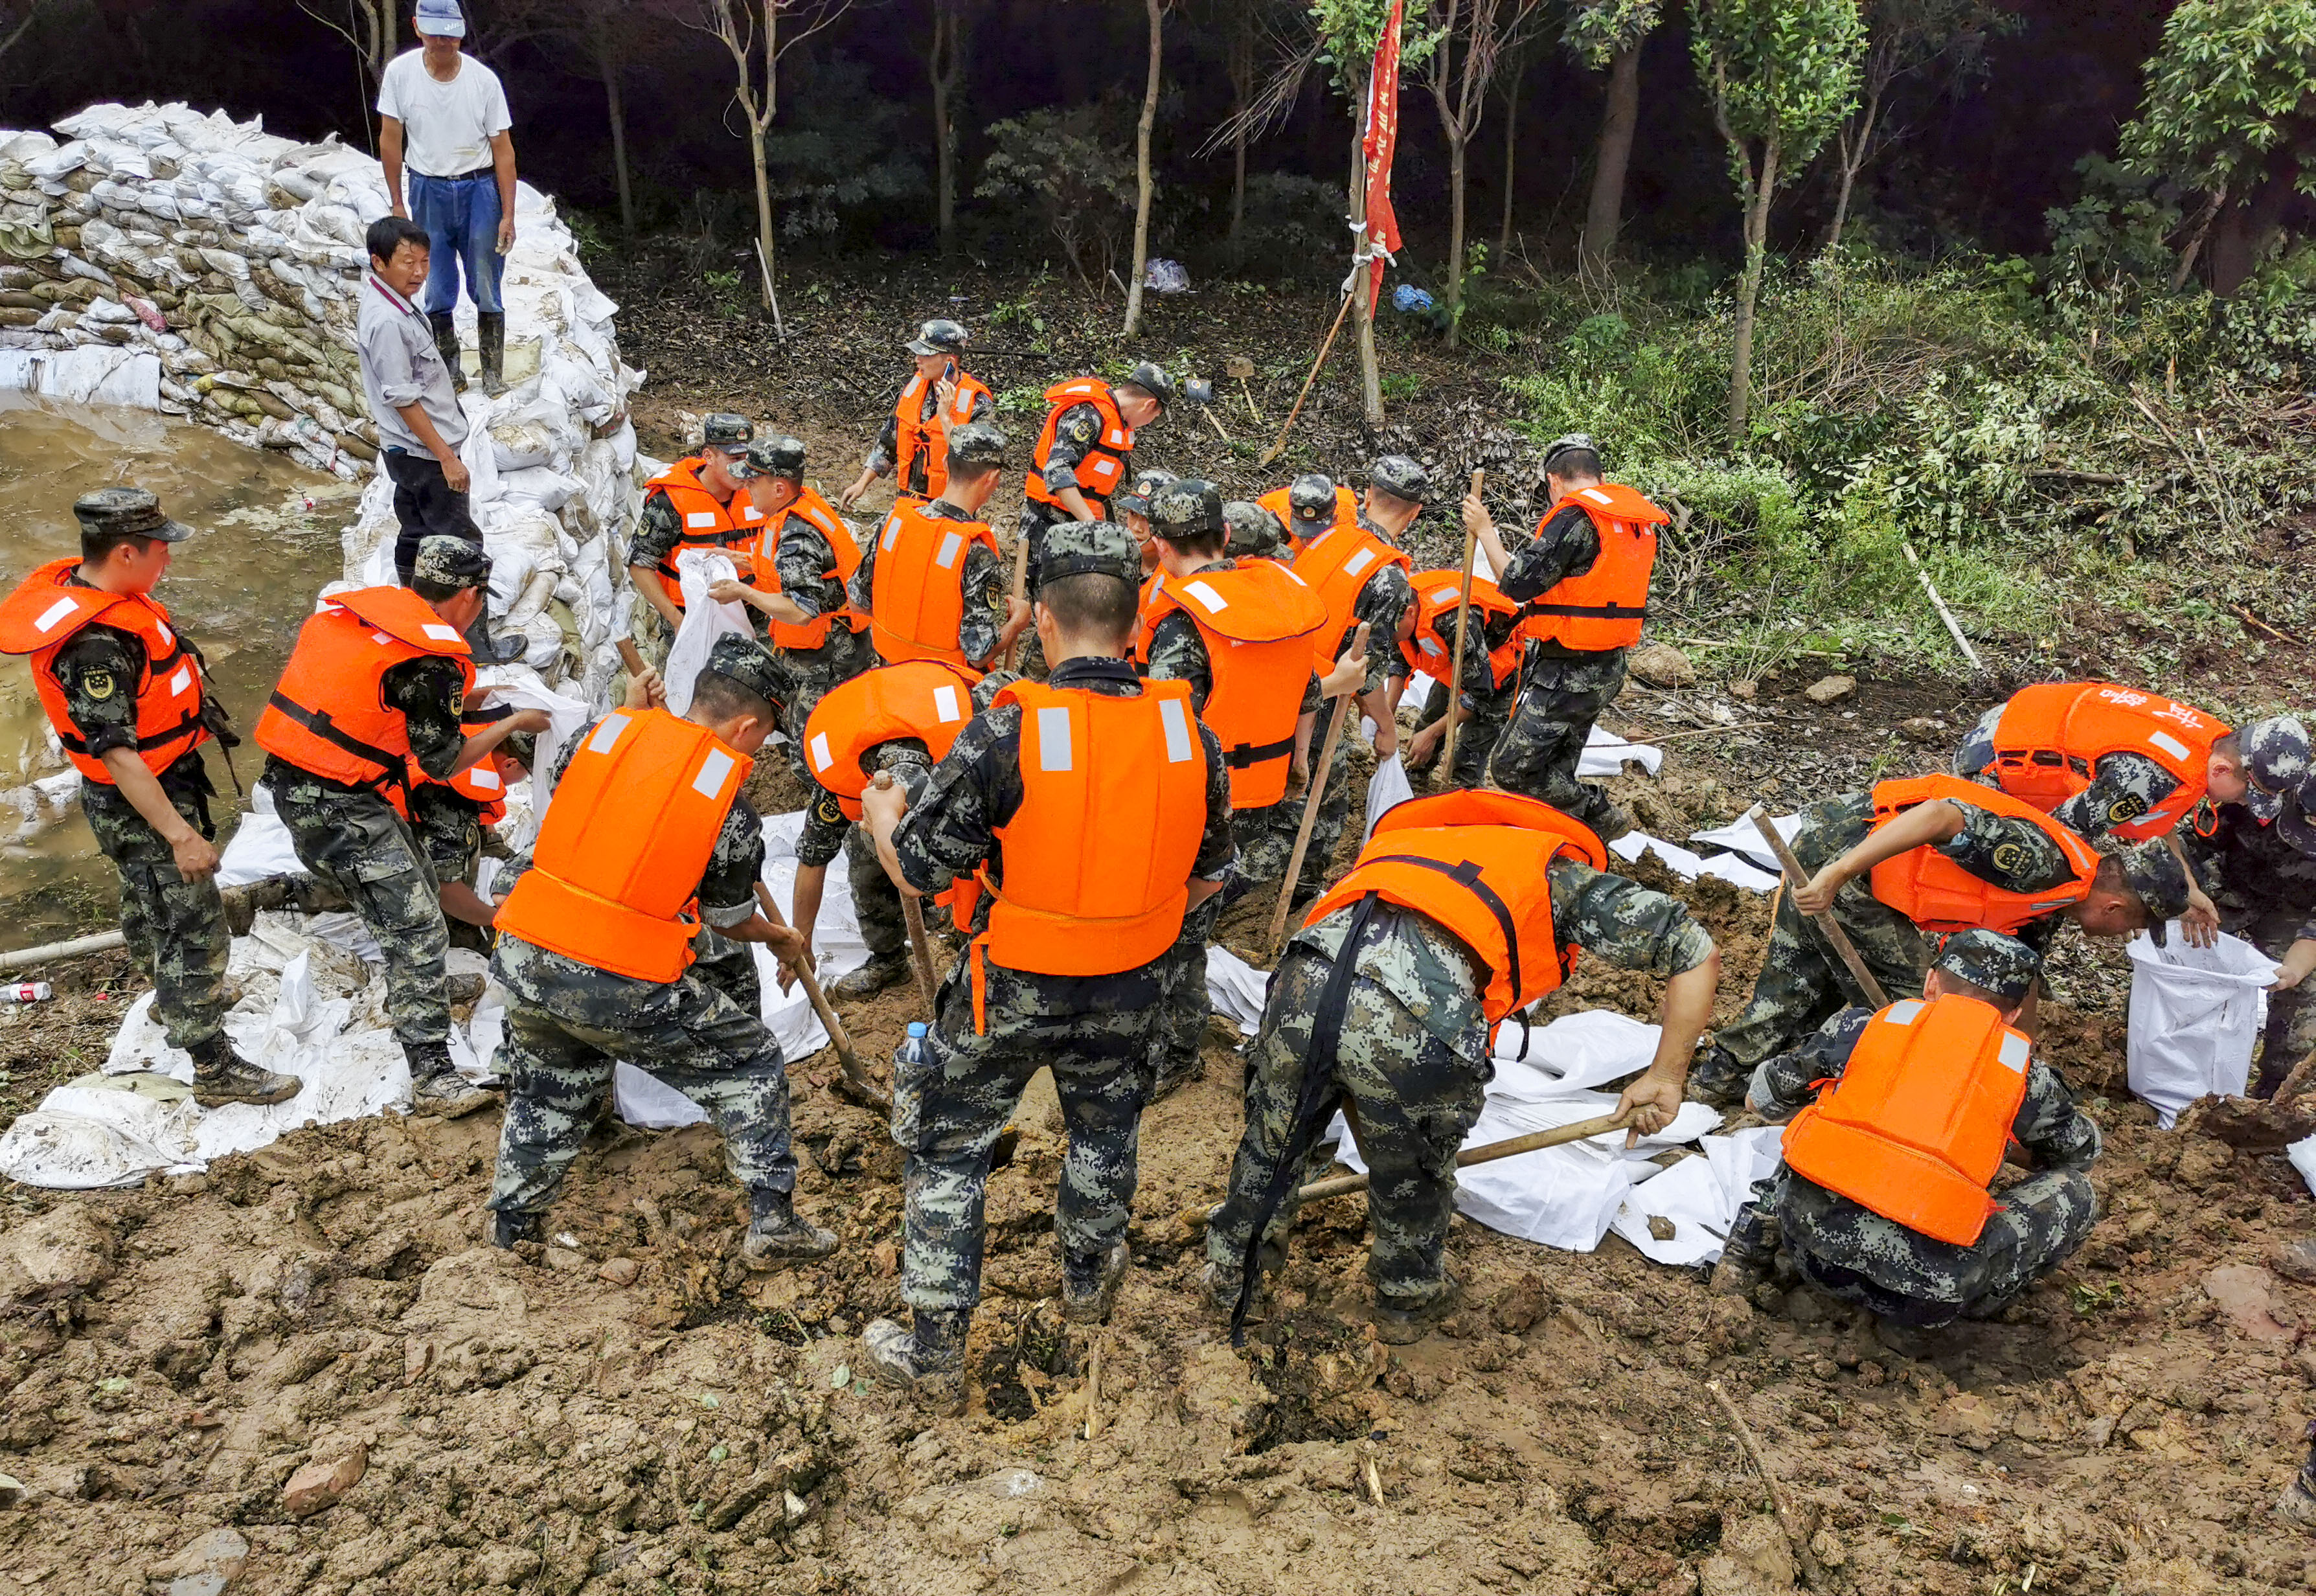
x=1105, y=464
x=924, y=698
x=1940, y=896
x=708, y=522
x=1336, y=564
x=1257, y=621
x=1098, y=857
x=48, y=608
x=484, y=781
x=1603, y=608
x=1347, y=511
x=1472, y=863
x=807, y=505
x=917, y=439
x=1916, y=1127
x=1431, y=648
x=2051, y=736
x=328, y=713
x=917, y=598
x=1145, y=620
x=615, y=874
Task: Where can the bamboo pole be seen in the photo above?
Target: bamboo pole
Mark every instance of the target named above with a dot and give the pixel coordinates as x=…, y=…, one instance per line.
x=1310, y=818
x=1463, y=620
x=1797, y=877
x=853, y=1073
x=1278, y=446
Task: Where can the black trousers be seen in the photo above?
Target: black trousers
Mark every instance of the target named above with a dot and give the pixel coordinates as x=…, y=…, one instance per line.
x=426, y=506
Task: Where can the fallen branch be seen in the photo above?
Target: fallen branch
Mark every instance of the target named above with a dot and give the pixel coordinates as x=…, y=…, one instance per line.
x=1796, y=1535
x=1953, y=627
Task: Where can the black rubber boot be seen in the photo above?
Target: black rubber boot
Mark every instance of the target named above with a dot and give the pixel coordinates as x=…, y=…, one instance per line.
x=927, y=1361
x=1090, y=1285
x=222, y=1076
x=508, y=1227
x=490, y=333
x=446, y=340
x=778, y=1235
x=1399, y=1321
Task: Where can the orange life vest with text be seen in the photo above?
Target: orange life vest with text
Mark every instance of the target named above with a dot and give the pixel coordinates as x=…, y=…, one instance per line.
x=923, y=699
x=917, y=598
x=1940, y=896
x=48, y=608
x=1431, y=648
x=1603, y=608
x=708, y=522
x=1347, y=511
x=1472, y=863
x=1916, y=1127
x=917, y=443
x=615, y=873
x=1105, y=464
x=328, y=713
x=762, y=553
x=1257, y=621
x=1336, y=564
x=2051, y=738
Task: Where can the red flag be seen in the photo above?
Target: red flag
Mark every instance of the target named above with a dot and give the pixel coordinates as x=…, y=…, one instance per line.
x=1379, y=138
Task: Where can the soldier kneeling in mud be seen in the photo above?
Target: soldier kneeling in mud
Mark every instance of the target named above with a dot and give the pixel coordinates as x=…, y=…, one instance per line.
x=1883, y=1200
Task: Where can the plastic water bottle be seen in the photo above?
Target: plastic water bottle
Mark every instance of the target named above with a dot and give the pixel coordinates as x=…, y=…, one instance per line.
x=915, y=1051
x=29, y=992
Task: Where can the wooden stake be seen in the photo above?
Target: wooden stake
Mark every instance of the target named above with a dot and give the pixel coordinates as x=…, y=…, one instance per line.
x=1093, y=1391
x=1797, y=877
x=1278, y=446
x=1953, y=627
x=921, y=955
x=1796, y=1535
x=1463, y=619
x=862, y=1088
x=1310, y=819
x=1021, y=589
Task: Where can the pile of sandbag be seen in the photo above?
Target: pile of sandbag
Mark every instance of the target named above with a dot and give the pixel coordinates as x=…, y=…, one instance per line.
x=202, y=267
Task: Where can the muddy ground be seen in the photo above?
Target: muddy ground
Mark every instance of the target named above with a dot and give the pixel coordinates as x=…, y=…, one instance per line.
x=627, y=1410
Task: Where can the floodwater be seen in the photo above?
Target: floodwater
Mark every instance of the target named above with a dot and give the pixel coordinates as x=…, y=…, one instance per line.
x=239, y=588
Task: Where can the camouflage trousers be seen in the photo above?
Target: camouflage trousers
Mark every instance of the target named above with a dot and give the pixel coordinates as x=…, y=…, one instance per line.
x=566, y=1025
x=1475, y=739
x=1855, y=1255
x=1416, y=1097
x=1265, y=839
x=2290, y=1032
x=448, y=827
x=1538, y=751
x=1326, y=828
x=1184, y=1006
x=354, y=841
x=1803, y=982
x=175, y=929
x=1095, y=1034
x=876, y=902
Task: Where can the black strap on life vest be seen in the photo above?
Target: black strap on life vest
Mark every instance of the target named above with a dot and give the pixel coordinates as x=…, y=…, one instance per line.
x=187, y=725
x=318, y=722
x=1591, y=612
x=1257, y=753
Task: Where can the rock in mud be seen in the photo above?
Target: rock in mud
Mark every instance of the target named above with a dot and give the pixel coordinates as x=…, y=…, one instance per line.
x=1923, y=729
x=2242, y=1293
x=58, y=1256
x=223, y=1552
x=1660, y=664
x=620, y=1271
x=2294, y=1261
x=319, y=1485
x=1830, y=690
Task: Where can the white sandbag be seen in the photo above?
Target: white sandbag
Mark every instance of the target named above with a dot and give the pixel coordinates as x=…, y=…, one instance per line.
x=2196, y=1013
x=97, y=1131
x=1740, y=836
x=258, y=847
x=1605, y=755
x=1689, y=866
x=704, y=622
x=1701, y=1197
x=1388, y=786
x=1235, y=989
x=2303, y=1154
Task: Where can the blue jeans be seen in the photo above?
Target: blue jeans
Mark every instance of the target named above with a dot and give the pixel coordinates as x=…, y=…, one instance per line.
x=461, y=219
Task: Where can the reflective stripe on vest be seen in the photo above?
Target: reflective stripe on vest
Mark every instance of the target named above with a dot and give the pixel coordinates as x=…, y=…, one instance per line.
x=917, y=594
x=1603, y=608
x=1475, y=864
x=1256, y=621
x=1915, y=1128
x=1105, y=464
x=923, y=698
x=481, y=782
x=1337, y=565
x=1430, y=647
x=762, y=563
x=632, y=826
x=48, y=610
x=1938, y=895
x=708, y=522
x=2051, y=738
x=918, y=446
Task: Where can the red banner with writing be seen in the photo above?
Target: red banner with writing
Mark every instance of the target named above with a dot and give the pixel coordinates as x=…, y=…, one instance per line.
x=1379, y=138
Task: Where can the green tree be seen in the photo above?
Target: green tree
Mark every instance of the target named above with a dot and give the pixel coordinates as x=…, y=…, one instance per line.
x=1940, y=42
x=1072, y=166
x=1607, y=36
x=1782, y=75
x=2231, y=114
x=1468, y=41
x=1145, y=185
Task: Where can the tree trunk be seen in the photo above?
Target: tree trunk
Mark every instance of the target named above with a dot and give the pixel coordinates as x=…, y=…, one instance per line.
x=1749, y=293
x=2247, y=227
x=756, y=126
x=1604, y=217
x=608, y=70
x=941, y=69
x=1141, y=131
x=1242, y=79
x=1511, y=154
x=1458, y=147
x=1852, y=161
x=1362, y=312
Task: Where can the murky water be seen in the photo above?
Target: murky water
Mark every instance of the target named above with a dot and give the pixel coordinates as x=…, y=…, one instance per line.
x=239, y=588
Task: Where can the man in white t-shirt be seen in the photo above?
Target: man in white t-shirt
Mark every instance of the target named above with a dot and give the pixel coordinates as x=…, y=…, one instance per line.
x=444, y=121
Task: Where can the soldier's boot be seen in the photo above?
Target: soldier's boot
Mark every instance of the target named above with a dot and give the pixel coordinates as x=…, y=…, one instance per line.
x=437, y=1088
x=1090, y=1285
x=1399, y=1321
x=1905, y=1340
x=882, y=970
x=778, y=1233
x=446, y=342
x=927, y=1361
x=508, y=1227
x=222, y=1076
x=490, y=335
x=1717, y=1079
x=489, y=649
x=1614, y=822
x=1752, y=1254
x=2298, y=1503
x=1220, y=1281
x=1173, y=1075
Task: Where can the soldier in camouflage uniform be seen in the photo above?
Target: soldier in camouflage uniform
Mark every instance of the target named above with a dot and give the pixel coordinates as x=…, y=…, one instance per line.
x=975, y=451
x=1910, y=1281
x=149, y=813
x=1487, y=703
x=2256, y=858
x=1398, y=488
x=659, y=534
x=1142, y=399
x=1093, y=1031
x=567, y=1021
x=352, y=838
x=1266, y=836
x=938, y=347
x=1803, y=980
x=1413, y=1057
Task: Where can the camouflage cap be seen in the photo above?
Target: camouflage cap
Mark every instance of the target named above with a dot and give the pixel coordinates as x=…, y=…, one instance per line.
x=1568, y=444
x=939, y=336
x=2275, y=760
x=746, y=662
x=1311, y=498
x=128, y=512
x=1401, y=477
x=1254, y=531
x=2004, y=965
x=1075, y=547
x=445, y=561
x=726, y=432
x=976, y=443
x=776, y=456
x=1136, y=499
x=1151, y=377
x=1186, y=509
x=2153, y=872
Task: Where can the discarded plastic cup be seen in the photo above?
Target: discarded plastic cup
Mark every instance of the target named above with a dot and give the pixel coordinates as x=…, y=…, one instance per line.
x=25, y=992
